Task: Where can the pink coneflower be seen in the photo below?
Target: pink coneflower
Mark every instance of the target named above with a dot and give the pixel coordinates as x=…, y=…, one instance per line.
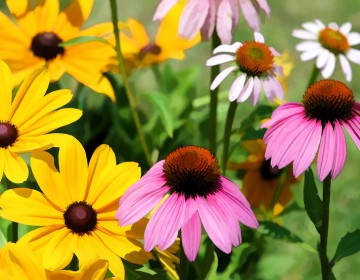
x=326, y=43
x=300, y=131
x=255, y=61
x=202, y=15
x=194, y=193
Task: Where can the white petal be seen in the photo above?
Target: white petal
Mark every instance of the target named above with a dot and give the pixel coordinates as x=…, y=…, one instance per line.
x=221, y=76
x=219, y=59
x=311, y=54
x=345, y=66
x=353, y=38
x=246, y=91
x=256, y=91
x=353, y=55
x=334, y=26
x=237, y=87
x=307, y=46
x=322, y=59
x=345, y=28
x=302, y=34
x=274, y=52
x=227, y=48
x=329, y=68
x=319, y=24
x=259, y=37
x=313, y=27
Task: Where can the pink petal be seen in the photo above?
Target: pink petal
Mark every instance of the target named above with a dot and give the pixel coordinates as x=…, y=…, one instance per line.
x=164, y=225
x=340, y=151
x=250, y=14
x=256, y=92
x=264, y=6
x=284, y=111
x=326, y=152
x=259, y=37
x=246, y=91
x=208, y=28
x=224, y=22
x=163, y=8
x=353, y=131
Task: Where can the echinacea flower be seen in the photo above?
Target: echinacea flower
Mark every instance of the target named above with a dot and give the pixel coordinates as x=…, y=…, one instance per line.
x=32, y=41
x=196, y=194
x=140, y=51
x=203, y=15
x=255, y=62
x=326, y=43
x=26, y=121
x=76, y=210
x=299, y=131
x=261, y=180
x=19, y=262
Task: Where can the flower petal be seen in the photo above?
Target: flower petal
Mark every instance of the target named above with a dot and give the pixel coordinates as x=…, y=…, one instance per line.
x=219, y=59
x=329, y=68
x=15, y=168
x=345, y=65
x=221, y=76
x=236, y=87
x=163, y=8
x=340, y=151
x=326, y=152
x=6, y=91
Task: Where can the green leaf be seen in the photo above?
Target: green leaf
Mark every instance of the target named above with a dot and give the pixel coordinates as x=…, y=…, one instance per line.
x=83, y=39
x=252, y=134
x=348, y=245
x=312, y=201
x=212, y=272
x=161, y=103
x=281, y=233
x=260, y=113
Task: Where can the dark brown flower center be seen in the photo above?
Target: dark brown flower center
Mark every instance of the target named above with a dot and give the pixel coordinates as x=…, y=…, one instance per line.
x=268, y=172
x=80, y=217
x=192, y=171
x=46, y=45
x=150, y=48
x=333, y=40
x=329, y=100
x=8, y=134
x=254, y=58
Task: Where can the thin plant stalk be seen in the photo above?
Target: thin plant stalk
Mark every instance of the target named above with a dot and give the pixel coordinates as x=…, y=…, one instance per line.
x=227, y=134
x=314, y=74
x=325, y=265
x=128, y=91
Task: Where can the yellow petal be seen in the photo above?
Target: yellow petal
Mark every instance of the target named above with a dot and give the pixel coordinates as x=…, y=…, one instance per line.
x=56, y=68
x=49, y=179
x=15, y=168
x=84, y=250
x=139, y=35
x=78, y=11
x=19, y=262
x=74, y=170
x=29, y=207
x=18, y=8
x=6, y=91
x=45, y=14
x=2, y=162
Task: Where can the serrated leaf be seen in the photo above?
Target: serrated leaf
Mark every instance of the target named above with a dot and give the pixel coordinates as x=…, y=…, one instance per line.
x=161, y=103
x=82, y=40
x=281, y=233
x=312, y=201
x=348, y=245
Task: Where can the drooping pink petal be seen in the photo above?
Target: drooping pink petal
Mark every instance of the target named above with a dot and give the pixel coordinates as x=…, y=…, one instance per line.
x=340, y=151
x=353, y=131
x=164, y=225
x=224, y=22
x=209, y=25
x=250, y=14
x=326, y=152
x=256, y=92
x=191, y=230
x=163, y=8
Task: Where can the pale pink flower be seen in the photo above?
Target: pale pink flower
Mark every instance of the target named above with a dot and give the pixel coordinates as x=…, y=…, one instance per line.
x=326, y=43
x=203, y=15
x=300, y=131
x=192, y=192
x=255, y=62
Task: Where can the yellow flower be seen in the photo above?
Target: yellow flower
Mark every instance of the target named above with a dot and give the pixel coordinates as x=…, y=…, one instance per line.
x=261, y=180
x=26, y=120
x=140, y=51
x=32, y=42
x=76, y=211
x=18, y=262
x=168, y=259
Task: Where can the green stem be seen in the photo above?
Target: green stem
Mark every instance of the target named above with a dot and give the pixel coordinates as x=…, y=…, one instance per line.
x=158, y=78
x=314, y=73
x=208, y=258
x=128, y=91
x=215, y=70
x=325, y=266
x=227, y=133
x=184, y=263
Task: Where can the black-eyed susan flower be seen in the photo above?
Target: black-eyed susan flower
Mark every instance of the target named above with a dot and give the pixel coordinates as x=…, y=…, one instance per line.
x=76, y=209
x=26, y=121
x=300, y=131
x=19, y=262
x=140, y=51
x=258, y=70
x=326, y=43
x=168, y=259
x=32, y=41
x=261, y=180
x=197, y=195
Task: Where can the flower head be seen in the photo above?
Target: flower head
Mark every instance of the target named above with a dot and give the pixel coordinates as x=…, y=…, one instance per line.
x=203, y=15
x=196, y=193
x=32, y=41
x=76, y=210
x=314, y=127
x=326, y=43
x=255, y=61
x=140, y=51
x=26, y=121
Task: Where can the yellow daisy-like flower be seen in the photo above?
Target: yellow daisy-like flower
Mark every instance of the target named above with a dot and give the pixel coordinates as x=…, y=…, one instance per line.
x=261, y=180
x=76, y=211
x=287, y=63
x=140, y=51
x=26, y=120
x=18, y=262
x=168, y=259
x=33, y=41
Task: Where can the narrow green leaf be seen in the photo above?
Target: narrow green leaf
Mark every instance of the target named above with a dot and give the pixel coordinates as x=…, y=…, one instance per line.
x=161, y=103
x=212, y=272
x=83, y=39
x=348, y=245
x=312, y=201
